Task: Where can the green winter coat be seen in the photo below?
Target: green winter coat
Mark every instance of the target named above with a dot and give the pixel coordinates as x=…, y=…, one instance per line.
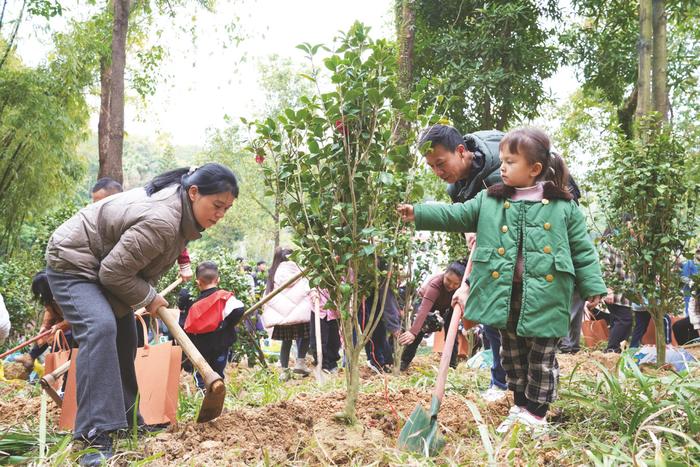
x=558, y=256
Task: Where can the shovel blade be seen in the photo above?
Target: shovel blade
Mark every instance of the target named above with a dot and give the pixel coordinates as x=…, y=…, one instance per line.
x=213, y=402
x=420, y=433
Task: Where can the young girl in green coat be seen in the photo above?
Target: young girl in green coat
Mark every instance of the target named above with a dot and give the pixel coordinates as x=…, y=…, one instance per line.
x=532, y=249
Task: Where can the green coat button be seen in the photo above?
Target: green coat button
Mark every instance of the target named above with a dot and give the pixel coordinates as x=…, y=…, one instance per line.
x=495, y=274
x=501, y=251
x=504, y=229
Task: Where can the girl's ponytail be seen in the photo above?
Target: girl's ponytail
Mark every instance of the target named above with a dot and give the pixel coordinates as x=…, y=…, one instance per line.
x=557, y=172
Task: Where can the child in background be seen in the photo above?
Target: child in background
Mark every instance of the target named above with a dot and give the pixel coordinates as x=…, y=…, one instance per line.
x=212, y=318
x=289, y=312
x=532, y=249
x=330, y=332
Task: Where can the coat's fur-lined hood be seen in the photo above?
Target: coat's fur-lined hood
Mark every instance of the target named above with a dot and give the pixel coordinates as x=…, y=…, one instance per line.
x=551, y=191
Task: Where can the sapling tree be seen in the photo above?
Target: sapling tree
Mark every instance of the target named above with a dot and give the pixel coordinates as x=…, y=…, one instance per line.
x=341, y=169
x=650, y=196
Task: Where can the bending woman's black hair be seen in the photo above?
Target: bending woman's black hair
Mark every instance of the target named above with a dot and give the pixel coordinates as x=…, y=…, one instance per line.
x=281, y=255
x=457, y=267
x=210, y=179
x=40, y=288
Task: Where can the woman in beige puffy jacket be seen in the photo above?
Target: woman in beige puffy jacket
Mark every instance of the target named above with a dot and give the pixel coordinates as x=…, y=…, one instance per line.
x=103, y=264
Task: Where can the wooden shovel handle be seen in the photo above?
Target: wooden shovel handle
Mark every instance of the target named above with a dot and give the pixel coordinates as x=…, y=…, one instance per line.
x=448, y=348
x=209, y=375
x=165, y=292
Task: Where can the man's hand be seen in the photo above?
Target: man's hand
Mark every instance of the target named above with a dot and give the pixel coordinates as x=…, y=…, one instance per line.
x=407, y=338
x=471, y=240
x=610, y=297
x=152, y=308
x=406, y=212
x=592, y=302
x=460, y=296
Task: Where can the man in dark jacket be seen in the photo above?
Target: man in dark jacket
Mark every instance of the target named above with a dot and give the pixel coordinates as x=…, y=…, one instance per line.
x=469, y=164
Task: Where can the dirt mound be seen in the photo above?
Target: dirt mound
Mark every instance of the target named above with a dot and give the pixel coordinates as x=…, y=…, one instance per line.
x=303, y=430
x=19, y=406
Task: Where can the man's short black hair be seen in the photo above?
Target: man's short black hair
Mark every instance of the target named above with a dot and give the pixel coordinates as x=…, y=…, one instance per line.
x=444, y=135
x=207, y=272
x=261, y=262
x=107, y=184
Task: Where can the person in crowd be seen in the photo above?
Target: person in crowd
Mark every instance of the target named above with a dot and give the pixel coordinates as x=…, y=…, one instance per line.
x=379, y=347
x=105, y=187
x=330, y=331
x=289, y=312
x=211, y=319
x=103, y=264
x=642, y=318
x=618, y=305
x=532, y=250
x=436, y=297
x=689, y=269
x=52, y=320
x=687, y=330
x=5, y=324
x=260, y=275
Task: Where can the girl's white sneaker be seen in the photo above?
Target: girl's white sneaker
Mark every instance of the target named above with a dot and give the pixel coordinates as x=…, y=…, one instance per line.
x=510, y=420
x=494, y=394
x=536, y=426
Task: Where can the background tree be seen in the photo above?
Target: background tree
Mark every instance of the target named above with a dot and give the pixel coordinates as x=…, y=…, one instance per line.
x=490, y=58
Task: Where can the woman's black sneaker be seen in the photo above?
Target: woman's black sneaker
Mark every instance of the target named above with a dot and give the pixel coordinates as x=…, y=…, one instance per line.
x=102, y=446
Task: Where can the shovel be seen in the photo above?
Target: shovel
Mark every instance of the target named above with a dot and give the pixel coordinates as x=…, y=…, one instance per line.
x=420, y=433
x=48, y=381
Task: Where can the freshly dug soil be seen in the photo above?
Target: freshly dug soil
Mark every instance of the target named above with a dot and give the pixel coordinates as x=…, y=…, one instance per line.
x=303, y=430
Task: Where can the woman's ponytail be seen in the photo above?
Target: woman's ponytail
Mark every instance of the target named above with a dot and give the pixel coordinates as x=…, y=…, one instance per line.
x=166, y=179
x=211, y=178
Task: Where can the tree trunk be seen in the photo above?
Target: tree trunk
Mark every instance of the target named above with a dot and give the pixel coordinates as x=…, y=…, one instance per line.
x=113, y=162
x=406, y=33
x=644, y=47
x=103, y=124
x=352, y=381
x=660, y=61
x=660, y=335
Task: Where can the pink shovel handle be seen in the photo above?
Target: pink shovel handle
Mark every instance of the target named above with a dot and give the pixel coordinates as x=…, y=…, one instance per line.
x=447, y=349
